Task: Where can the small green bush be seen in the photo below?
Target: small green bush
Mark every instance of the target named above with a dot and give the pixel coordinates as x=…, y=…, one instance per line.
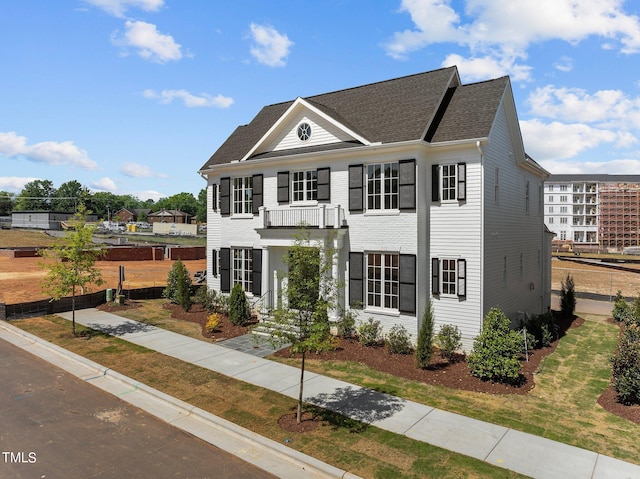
x=238, y=306
x=626, y=366
x=398, y=340
x=178, y=289
x=567, y=297
x=424, y=348
x=370, y=333
x=621, y=309
x=449, y=341
x=496, y=351
x=544, y=329
x=347, y=325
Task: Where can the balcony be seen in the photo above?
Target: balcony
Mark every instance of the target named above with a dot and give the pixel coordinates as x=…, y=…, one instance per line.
x=321, y=216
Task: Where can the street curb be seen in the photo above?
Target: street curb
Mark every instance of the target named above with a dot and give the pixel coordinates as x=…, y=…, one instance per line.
x=247, y=445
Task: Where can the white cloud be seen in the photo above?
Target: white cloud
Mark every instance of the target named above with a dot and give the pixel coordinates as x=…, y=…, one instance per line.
x=14, y=183
x=481, y=68
x=555, y=140
x=151, y=44
x=149, y=195
x=135, y=170
x=617, y=167
x=117, y=8
x=49, y=152
x=606, y=107
x=270, y=47
x=564, y=64
x=104, y=184
x=189, y=100
x=495, y=28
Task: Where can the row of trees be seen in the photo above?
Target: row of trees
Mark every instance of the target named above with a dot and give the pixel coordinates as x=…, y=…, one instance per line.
x=41, y=195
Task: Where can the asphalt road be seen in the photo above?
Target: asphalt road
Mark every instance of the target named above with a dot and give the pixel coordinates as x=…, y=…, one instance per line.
x=54, y=425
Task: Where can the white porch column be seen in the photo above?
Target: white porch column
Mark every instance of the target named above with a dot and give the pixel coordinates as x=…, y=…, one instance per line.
x=267, y=296
x=335, y=277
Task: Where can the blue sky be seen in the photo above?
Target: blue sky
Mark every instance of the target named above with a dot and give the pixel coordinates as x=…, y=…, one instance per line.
x=133, y=96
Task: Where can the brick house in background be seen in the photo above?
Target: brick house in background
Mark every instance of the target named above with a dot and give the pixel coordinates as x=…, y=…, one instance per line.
x=420, y=184
x=131, y=216
x=169, y=216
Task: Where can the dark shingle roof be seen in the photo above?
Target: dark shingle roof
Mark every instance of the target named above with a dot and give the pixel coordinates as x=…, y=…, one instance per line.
x=391, y=111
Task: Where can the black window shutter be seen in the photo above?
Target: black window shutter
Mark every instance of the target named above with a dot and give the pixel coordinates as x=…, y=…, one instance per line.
x=462, y=277
x=256, y=277
x=407, y=289
x=462, y=181
x=356, y=279
x=356, y=187
x=407, y=184
x=225, y=196
x=214, y=262
x=214, y=197
x=324, y=184
x=435, y=183
x=225, y=270
x=283, y=187
x=435, y=276
x=256, y=193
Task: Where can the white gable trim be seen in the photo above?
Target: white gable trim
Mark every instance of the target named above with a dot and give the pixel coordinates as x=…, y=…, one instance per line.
x=297, y=105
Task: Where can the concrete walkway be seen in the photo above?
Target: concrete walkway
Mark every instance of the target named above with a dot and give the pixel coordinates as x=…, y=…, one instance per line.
x=517, y=451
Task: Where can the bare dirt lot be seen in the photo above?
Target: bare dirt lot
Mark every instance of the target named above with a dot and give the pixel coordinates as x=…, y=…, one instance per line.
x=21, y=278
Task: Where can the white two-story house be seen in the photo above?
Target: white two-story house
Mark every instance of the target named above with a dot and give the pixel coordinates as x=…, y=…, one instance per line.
x=421, y=185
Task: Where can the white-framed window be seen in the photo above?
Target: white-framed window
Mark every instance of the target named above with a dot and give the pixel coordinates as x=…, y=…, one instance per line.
x=563, y=209
x=383, y=281
x=382, y=186
x=449, y=182
x=563, y=220
x=551, y=220
x=550, y=209
x=242, y=263
x=305, y=185
x=563, y=187
x=242, y=195
x=563, y=199
x=550, y=198
x=449, y=277
x=550, y=189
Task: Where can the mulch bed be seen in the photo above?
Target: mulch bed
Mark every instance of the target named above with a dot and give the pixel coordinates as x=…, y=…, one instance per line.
x=451, y=375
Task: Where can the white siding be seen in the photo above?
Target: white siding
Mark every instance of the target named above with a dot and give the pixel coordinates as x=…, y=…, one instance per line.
x=322, y=133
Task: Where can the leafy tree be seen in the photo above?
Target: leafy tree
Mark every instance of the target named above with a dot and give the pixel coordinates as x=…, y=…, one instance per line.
x=201, y=211
x=68, y=195
x=6, y=203
x=303, y=319
x=496, y=351
x=178, y=288
x=424, y=348
x=74, y=257
x=35, y=196
x=567, y=297
x=184, y=202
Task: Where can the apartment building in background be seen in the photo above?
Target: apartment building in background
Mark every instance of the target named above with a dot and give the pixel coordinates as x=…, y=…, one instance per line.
x=593, y=212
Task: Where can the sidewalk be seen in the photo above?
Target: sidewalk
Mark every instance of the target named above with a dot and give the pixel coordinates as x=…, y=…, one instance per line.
x=517, y=451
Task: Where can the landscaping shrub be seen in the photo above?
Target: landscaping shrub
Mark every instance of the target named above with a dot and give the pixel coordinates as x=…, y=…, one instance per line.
x=496, y=351
x=424, y=348
x=370, y=333
x=449, y=341
x=626, y=365
x=398, y=340
x=178, y=288
x=621, y=309
x=567, y=297
x=207, y=298
x=347, y=325
x=543, y=327
x=213, y=322
x=238, y=306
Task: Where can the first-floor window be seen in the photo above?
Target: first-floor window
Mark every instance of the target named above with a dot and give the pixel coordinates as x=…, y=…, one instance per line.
x=243, y=268
x=382, y=280
x=449, y=276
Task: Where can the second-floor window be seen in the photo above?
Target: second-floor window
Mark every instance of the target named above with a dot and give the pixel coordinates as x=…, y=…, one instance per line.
x=242, y=195
x=382, y=186
x=305, y=185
